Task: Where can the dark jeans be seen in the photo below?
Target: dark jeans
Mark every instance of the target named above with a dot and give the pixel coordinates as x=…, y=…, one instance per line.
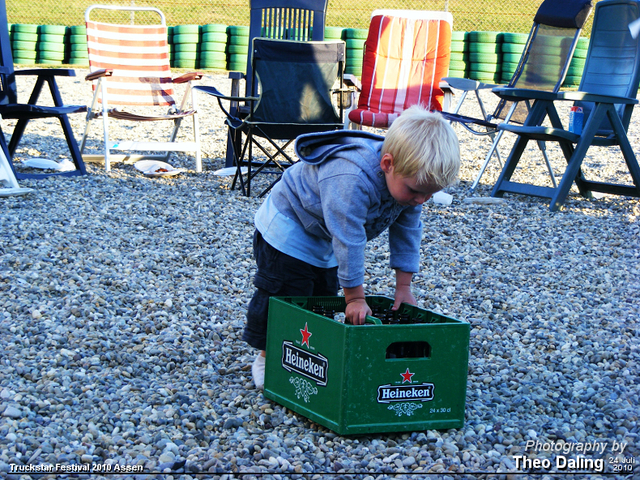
x=280, y=275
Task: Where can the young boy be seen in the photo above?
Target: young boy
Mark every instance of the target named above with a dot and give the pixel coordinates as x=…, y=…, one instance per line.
x=347, y=188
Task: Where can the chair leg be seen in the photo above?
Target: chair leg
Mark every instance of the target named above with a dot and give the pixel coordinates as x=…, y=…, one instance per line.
x=487, y=159
x=543, y=149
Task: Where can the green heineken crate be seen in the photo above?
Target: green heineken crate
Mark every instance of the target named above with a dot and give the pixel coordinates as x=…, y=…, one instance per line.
x=367, y=378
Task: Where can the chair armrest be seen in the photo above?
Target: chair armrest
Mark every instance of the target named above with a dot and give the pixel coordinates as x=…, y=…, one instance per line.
x=518, y=94
x=596, y=98
x=216, y=93
x=188, y=77
x=466, y=84
x=56, y=72
x=350, y=80
x=236, y=75
x=98, y=74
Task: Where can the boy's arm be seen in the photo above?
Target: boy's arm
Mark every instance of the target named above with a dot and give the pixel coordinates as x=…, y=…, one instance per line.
x=403, y=289
x=357, y=308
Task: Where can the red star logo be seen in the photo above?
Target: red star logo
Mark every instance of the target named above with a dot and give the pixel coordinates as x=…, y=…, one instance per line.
x=406, y=376
x=305, y=335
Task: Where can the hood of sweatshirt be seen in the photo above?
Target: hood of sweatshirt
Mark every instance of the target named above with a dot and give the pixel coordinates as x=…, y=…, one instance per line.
x=314, y=148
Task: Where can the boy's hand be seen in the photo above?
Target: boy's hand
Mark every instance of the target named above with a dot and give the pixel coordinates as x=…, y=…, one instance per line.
x=357, y=308
x=403, y=290
x=357, y=311
x=403, y=295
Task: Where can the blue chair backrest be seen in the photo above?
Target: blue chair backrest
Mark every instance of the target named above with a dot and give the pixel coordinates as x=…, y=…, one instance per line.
x=613, y=60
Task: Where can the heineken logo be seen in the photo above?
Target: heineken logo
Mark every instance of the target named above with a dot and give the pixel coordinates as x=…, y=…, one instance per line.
x=305, y=363
x=402, y=393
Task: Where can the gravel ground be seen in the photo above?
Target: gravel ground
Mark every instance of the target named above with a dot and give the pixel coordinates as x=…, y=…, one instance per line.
x=122, y=306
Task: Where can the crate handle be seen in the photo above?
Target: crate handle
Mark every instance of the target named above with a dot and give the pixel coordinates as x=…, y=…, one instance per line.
x=372, y=320
x=419, y=349
x=367, y=321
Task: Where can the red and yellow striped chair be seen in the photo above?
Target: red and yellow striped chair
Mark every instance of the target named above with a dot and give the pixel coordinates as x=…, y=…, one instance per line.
x=129, y=63
x=405, y=55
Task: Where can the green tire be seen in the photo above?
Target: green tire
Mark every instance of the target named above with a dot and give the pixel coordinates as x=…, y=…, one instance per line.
x=333, y=33
x=213, y=57
x=360, y=33
x=479, y=47
x=484, y=37
x=182, y=63
x=45, y=61
x=78, y=51
x=458, y=65
x=79, y=39
x=52, y=29
x=459, y=46
x=186, y=38
x=484, y=57
x=185, y=47
x=512, y=48
x=78, y=61
x=355, y=43
x=578, y=62
x=55, y=56
x=580, y=53
x=214, y=28
x=236, y=67
x=51, y=47
x=238, y=49
x=485, y=67
x=185, y=56
x=518, y=38
x=484, y=76
x=28, y=46
x=24, y=28
x=50, y=38
x=237, y=58
x=237, y=40
x=572, y=81
x=219, y=37
x=462, y=73
x=186, y=30
x=24, y=54
x=511, y=57
x=459, y=36
x=213, y=47
x=213, y=65
x=78, y=30
x=24, y=37
x=238, y=30
x=459, y=56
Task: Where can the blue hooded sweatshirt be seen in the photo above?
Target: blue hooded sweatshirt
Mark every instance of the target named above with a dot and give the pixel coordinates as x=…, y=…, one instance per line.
x=328, y=205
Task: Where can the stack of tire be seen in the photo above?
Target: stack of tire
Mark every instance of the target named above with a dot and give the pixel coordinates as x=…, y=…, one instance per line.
x=512, y=47
x=459, y=59
x=185, y=41
x=212, y=47
x=574, y=74
x=78, y=50
x=52, y=44
x=24, y=41
x=354, y=39
x=237, y=48
x=485, y=56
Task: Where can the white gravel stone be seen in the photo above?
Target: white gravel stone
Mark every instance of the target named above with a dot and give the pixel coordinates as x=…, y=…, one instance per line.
x=122, y=303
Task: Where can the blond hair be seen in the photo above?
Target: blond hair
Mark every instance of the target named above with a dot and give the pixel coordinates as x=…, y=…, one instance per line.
x=424, y=146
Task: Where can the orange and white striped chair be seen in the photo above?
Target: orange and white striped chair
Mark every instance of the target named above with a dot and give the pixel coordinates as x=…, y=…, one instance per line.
x=405, y=55
x=129, y=65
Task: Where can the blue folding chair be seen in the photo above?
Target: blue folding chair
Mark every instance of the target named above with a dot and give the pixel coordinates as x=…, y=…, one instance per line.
x=607, y=95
